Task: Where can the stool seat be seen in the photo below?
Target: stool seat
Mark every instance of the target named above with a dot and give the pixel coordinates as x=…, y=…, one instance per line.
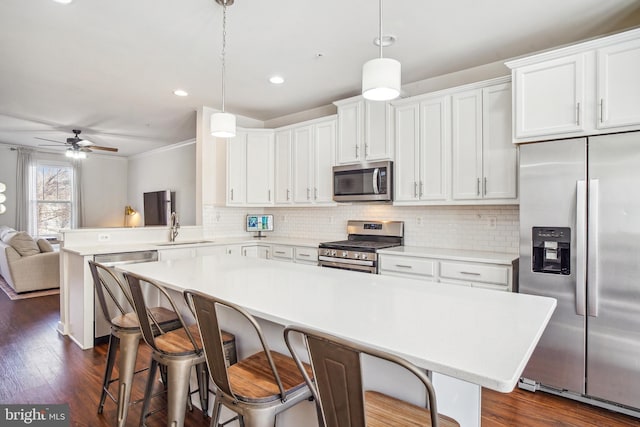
x=252, y=381
x=130, y=320
x=386, y=411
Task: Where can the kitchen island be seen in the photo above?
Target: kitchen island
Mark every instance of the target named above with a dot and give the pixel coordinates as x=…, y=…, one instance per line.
x=469, y=338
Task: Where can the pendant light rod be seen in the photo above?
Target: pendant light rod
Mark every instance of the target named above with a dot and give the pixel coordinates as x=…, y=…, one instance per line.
x=380, y=28
x=224, y=47
x=223, y=124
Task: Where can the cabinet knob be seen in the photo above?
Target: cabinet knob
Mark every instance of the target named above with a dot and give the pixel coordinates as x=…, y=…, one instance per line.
x=357, y=151
x=315, y=193
x=232, y=194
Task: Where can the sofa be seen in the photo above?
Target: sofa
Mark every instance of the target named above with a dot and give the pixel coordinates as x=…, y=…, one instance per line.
x=27, y=264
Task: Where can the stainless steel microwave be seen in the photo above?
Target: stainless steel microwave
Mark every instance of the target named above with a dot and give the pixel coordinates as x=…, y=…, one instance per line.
x=364, y=182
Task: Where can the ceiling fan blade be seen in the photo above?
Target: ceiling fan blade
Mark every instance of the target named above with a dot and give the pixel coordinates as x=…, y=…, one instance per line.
x=50, y=140
x=97, y=147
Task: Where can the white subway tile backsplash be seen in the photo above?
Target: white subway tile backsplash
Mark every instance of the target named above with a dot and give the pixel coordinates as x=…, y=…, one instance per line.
x=455, y=227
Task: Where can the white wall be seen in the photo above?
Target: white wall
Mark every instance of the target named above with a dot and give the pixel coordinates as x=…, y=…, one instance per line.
x=169, y=168
x=8, y=160
x=104, y=190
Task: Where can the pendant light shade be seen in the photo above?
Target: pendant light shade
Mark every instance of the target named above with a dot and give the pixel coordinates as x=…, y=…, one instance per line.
x=381, y=77
x=223, y=125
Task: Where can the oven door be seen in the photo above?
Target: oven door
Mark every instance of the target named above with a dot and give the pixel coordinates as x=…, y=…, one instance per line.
x=348, y=264
x=365, y=182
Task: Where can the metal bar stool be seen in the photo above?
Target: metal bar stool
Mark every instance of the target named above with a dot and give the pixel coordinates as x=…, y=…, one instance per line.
x=179, y=350
x=338, y=389
x=258, y=387
x=125, y=335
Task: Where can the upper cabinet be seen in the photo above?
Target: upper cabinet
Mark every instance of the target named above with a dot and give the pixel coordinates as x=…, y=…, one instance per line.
x=283, y=173
x=454, y=147
x=364, y=131
x=585, y=89
x=250, y=170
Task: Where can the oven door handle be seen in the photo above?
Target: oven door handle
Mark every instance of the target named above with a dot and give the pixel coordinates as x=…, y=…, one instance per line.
x=376, y=178
x=346, y=261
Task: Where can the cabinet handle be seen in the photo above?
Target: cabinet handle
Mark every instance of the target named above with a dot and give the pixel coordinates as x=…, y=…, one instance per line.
x=288, y=194
x=232, y=194
x=305, y=255
x=366, y=149
x=601, y=110
x=578, y=114
x=357, y=151
x=478, y=187
x=315, y=193
x=415, y=189
x=469, y=273
x=279, y=252
x=484, y=186
x=308, y=193
x=421, y=188
x=269, y=195
x=244, y=252
x=403, y=266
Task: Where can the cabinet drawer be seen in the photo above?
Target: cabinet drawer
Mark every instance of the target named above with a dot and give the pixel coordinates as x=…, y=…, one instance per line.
x=408, y=265
x=309, y=255
x=475, y=272
x=282, y=252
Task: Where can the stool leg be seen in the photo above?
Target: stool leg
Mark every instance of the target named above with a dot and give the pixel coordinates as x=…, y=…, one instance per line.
x=126, y=366
x=179, y=372
x=203, y=387
x=215, y=413
x=148, y=392
x=111, y=358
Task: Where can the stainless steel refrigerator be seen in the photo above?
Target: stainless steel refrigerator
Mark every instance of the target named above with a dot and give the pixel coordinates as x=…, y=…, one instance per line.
x=580, y=244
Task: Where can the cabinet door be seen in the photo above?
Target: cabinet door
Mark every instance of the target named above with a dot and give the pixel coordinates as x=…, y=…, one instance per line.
x=407, y=162
x=302, y=152
x=549, y=97
x=435, y=149
x=467, y=144
x=499, y=154
x=618, y=85
x=377, y=131
x=350, y=133
x=283, y=153
x=237, y=169
x=324, y=143
x=260, y=168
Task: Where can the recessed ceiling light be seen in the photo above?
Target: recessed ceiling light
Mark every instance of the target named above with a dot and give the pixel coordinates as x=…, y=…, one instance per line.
x=63, y=1
x=180, y=92
x=276, y=80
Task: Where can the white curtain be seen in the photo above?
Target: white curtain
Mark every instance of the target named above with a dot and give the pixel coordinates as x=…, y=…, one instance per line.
x=23, y=190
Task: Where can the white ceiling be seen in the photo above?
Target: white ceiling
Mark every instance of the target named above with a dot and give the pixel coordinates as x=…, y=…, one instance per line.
x=110, y=67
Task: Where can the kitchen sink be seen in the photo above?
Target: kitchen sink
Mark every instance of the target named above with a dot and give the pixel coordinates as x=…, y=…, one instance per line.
x=186, y=242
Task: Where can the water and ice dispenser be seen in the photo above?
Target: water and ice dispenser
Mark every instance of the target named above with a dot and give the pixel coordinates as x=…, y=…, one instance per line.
x=551, y=251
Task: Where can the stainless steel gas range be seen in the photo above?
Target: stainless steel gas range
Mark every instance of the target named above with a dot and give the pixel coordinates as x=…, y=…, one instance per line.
x=359, y=251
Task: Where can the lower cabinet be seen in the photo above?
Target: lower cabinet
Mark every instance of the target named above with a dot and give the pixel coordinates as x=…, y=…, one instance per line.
x=297, y=254
x=465, y=273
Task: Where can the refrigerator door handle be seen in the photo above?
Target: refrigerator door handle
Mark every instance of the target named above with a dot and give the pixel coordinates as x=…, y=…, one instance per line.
x=592, y=285
x=581, y=246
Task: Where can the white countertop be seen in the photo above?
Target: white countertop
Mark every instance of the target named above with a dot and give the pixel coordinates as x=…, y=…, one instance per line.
x=452, y=254
x=101, y=248
x=476, y=335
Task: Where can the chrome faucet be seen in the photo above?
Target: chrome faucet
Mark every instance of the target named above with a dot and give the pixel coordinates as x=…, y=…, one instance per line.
x=173, y=232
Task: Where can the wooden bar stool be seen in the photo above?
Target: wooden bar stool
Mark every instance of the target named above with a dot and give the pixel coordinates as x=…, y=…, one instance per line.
x=338, y=389
x=117, y=308
x=258, y=387
x=179, y=350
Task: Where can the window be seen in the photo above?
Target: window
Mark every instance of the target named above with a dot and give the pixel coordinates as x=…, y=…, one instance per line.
x=52, y=202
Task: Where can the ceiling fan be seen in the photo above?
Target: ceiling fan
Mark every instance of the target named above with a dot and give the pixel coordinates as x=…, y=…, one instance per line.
x=78, y=147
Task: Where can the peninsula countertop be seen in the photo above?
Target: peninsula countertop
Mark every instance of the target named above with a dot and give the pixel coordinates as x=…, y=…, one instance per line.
x=475, y=335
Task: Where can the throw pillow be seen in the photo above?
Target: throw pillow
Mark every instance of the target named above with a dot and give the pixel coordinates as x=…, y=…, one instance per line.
x=24, y=244
x=44, y=245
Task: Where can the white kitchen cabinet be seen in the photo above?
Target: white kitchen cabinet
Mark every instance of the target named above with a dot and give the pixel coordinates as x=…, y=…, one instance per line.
x=484, y=158
x=618, y=85
x=305, y=255
x=313, y=148
x=282, y=253
x=585, y=89
x=407, y=266
x=176, y=253
x=422, y=166
x=475, y=274
x=283, y=167
x=250, y=168
x=364, y=131
x=256, y=251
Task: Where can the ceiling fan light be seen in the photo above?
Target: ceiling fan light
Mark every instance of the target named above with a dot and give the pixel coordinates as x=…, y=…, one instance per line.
x=3, y=208
x=381, y=79
x=3, y=198
x=223, y=125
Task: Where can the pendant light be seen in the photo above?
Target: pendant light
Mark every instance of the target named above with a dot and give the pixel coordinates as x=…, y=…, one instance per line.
x=223, y=124
x=381, y=76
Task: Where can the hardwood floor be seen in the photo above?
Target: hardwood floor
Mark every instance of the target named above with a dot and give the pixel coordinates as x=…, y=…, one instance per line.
x=39, y=366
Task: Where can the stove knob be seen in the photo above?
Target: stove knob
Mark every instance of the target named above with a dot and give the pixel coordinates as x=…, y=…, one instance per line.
x=334, y=253
x=345, y=254
x=356, y=255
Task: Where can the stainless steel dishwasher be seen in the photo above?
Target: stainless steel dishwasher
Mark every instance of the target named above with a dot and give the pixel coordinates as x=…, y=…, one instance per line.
x=102, y=330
